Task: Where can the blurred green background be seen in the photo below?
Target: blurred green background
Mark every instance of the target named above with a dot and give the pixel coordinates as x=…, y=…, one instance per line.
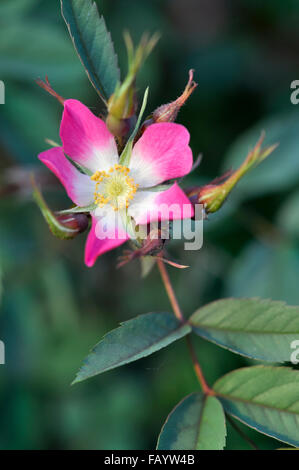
x=54, y=309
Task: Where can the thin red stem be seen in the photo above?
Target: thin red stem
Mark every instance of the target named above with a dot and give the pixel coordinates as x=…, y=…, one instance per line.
x=197, y=369
x=169, y=289
x=179, y=315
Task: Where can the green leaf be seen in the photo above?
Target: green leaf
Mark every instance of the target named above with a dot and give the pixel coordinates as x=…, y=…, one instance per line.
x=158, y=188
x=265, y=398
x=260, y=329
x=81, y=168
x=126, y=154
x=133, y=340
x=93, y=44
x=80, y=210
x=196, y=423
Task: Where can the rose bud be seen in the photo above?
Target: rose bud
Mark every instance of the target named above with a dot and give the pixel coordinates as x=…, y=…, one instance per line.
x=169, y=112
x=213, y=195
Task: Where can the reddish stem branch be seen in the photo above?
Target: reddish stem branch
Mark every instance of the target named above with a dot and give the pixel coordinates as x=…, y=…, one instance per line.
x=47, y=87
x=169, y=289
x=197, y=369
x=179, y=315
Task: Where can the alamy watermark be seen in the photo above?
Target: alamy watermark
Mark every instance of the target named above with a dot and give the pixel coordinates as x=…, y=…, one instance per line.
x=175, y=221
x=2, y=92
x=295, y=354
x=295, y=94
x=2, y=353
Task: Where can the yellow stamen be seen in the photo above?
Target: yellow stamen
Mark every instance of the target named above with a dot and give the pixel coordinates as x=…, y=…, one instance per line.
x=114, y=187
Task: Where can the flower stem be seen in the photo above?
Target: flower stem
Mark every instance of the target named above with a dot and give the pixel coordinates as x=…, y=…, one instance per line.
x=197, y=369
x=179, y=315
x=169, y=289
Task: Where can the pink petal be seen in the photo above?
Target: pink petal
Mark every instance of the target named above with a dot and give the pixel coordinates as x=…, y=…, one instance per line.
x=161, y=154
x=96, y=247
x=86, y=138
x=79, y=187
x=150, y=206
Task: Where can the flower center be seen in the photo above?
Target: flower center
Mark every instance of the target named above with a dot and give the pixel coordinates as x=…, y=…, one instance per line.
x=114, y=187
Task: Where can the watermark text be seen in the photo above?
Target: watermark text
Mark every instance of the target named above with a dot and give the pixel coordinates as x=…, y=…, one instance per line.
x=175, y=221
x=295, y=354
x=295, y=94
x=2, y=353
x=2, y=92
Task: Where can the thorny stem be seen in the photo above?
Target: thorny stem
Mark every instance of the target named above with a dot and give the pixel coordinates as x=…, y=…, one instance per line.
x=179, y=315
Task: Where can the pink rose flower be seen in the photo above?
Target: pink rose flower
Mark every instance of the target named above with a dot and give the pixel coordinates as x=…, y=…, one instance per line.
x=161, y=154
